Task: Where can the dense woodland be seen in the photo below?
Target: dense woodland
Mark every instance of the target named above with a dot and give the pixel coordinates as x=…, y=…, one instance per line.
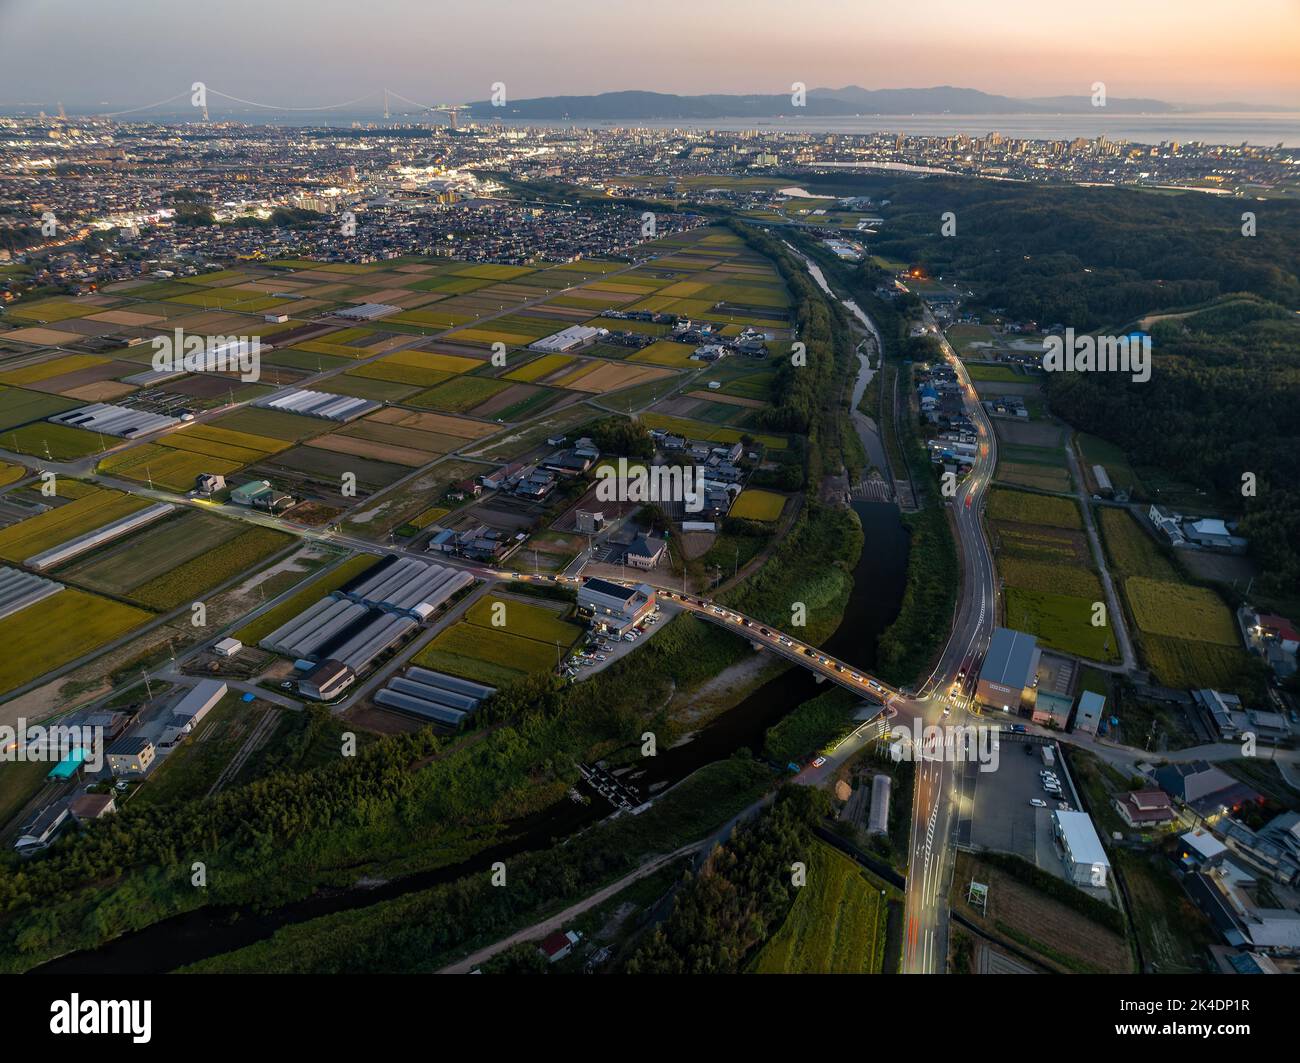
x=743, y=891
x=1224, y=396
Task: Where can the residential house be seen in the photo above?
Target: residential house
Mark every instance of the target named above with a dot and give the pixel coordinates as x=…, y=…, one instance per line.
x=1145, y=808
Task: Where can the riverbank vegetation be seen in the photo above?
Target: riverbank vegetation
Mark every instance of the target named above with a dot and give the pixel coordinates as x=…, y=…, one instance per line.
x=744, y=891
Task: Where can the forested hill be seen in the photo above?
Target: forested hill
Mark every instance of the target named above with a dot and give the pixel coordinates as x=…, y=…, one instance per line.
x=1223, y=400
x=1224, y=394
x=1084, y=257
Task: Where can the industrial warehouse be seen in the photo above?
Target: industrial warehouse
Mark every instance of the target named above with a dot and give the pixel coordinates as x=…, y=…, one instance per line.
x=354, y=625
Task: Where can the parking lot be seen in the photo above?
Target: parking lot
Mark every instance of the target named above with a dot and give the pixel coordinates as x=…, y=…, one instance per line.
x=996, y=812
x=616, y=647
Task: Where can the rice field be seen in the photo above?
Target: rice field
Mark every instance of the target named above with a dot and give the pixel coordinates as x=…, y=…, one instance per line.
x=754, y=504
x=527, y=619
x=1180, y=611
x=19, y=407
x=211, y=568
x=60, y=629
x=163, y=466
x=666, y=352
x=1131, y=551
x=487, y=654
x=57, y=442
x=460, y=394
x=712, y=433
x=55, y=526
x=540, y=367
x=475, y=648
x=1027, y=508
x=120, y=567
x=1061, y=622
x=837, y=924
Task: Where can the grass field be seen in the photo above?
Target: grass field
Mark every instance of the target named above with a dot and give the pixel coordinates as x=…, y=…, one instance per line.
x=1173, y=931
x=1006, y=504
x=1000, y=374
x=1097, y=451
x=59, y=629
x=837, y=924
x=754, y=504
x=1179, y=611
x=46, y=530
x=1061, y=622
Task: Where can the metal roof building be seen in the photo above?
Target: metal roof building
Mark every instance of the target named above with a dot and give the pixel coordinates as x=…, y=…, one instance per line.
x=20, y=589
x=366, y=311
x=118, y=421
x=317, y=404
x=409, y=585
x=878, y=818
x=1009, y=669
x=1085, y=858
x=433, y=696
x=201, y=697
x=567, y=339
x=98, y=537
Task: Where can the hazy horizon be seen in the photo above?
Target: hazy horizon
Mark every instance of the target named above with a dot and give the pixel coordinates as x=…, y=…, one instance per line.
x=296, y=53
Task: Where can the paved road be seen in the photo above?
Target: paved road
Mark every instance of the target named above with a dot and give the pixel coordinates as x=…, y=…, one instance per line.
x=935, y=800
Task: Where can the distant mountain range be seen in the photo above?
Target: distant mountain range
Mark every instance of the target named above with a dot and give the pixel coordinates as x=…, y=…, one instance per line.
x=848, y=101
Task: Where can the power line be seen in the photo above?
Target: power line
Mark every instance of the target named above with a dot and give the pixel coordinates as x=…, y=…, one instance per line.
x=277, y=107
x=147, y=106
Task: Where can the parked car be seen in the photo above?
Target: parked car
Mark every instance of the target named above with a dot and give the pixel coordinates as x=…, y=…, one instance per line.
x=1038, y=802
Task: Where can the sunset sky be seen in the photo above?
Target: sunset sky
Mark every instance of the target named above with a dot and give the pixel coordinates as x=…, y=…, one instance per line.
x=316, y=52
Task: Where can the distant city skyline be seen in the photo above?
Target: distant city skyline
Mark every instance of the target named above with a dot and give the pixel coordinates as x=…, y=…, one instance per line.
x=295, y=53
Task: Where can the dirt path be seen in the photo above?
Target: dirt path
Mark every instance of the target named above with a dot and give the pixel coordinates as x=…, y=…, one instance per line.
x=561, y=919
